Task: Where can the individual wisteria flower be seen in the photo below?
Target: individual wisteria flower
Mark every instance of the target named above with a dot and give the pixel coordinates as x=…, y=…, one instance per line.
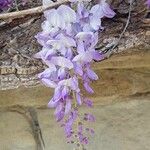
x=5, y=3
x=68, y=41
x=102, y=10
x=148, y=3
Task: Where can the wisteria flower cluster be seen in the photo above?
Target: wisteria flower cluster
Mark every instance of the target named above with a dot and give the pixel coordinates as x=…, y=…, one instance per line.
x=68, y=40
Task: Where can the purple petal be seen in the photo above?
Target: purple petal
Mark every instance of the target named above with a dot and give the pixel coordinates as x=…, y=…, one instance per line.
x=92, y=131
x=50, y=53
x=66, y=40
x=83, y=57
x=42, y=37
x=59, y=116
x=54, y=18
x=89, y=117
x=48, y=72
x=65, y=92
x=88, y=88
x=48, y=83
x=61, y=73
x=5, y=3
x=58, y=108
x=41, y=54
x=57, y=94
x=91, y=74
x=85, y=140
x=94, y=40
x=68, y=130
x=97, y=56
x=47, y=2
x=74, y=84
x=68, y=106
x=95, y=22
x=102, y=10
x=148, y=3
x=69, y=54
x=78, y=69
x=80, y=128
x=80, y=9
x=88, y=103
x=78, y=97
x=67, y=14
x=84, y=35
x=108, y=12
x=62, y=62
x=80, y=47
x=77, y=58
x=52, y=103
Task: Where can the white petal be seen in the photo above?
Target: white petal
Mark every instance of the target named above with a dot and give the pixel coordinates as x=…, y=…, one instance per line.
x=62, y=62
x=83, y=35
x=68, y=14
x=52, y=103
x=95, y=22
x=47, y=2
x=48, y=83
x=54, y=18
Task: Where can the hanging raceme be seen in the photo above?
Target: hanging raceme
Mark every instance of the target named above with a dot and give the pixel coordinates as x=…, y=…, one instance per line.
x=68, y=40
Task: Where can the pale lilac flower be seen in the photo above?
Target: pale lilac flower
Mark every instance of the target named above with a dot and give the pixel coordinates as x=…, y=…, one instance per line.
x=91, y=21
x=87, y=21
x=102, y=10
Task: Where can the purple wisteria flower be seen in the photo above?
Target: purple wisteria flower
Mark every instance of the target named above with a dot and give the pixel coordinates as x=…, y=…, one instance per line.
x=68, y=41
x=5, y=3
x=148, y=3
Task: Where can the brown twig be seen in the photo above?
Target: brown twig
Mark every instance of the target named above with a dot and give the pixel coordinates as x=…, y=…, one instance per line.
x=36, y=10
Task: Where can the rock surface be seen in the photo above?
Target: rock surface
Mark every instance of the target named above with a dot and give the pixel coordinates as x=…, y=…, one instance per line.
x=123, y=75
x=121, y=126
x=15, y=132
